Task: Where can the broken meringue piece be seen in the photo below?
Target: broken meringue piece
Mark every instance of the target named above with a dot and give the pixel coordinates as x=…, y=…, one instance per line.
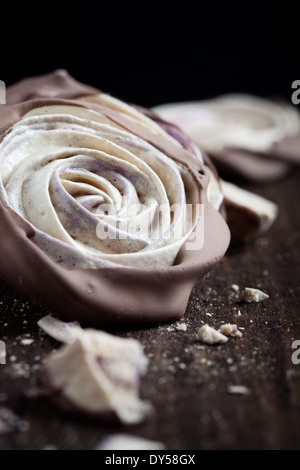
x=96, y=373
x=253, y=295
x=248, y=215
x=230, y=330
x=61, y=331
x=238, y=389
x=235, y=287
x=123, y=441
x=210, y=335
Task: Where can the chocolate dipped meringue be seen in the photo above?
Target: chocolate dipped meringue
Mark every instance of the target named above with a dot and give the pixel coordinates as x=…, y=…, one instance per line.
x=248, y=137
x=106, y=217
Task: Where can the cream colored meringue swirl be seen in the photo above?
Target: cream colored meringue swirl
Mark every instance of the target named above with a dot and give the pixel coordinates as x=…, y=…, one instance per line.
x=96, y=194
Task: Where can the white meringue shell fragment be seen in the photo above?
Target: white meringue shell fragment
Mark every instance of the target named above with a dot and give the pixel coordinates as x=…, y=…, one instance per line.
x=209, y=335
x=252, y=295
x=123, y=441
x=95, y=373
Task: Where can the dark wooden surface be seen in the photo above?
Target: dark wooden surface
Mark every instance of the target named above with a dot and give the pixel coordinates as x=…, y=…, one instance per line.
x=187, y=382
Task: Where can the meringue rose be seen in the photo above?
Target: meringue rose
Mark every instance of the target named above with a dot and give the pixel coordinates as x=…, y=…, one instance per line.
x=107, y=215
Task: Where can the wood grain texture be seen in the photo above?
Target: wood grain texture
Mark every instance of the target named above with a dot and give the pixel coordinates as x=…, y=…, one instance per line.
x=187, y=382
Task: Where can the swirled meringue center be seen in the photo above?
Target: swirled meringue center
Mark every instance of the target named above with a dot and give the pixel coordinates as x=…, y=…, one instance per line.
x=96, y=194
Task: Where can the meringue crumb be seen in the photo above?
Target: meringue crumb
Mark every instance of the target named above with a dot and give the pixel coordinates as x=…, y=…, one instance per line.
x=254, y=295
x=209, y=335
x=238, y=389
x=26, y=341
x=230, y=330
x=124, y=441
x=181, y=327
x=235, y=287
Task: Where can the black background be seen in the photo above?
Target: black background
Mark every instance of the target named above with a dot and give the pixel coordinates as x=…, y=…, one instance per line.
x=148, y=53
